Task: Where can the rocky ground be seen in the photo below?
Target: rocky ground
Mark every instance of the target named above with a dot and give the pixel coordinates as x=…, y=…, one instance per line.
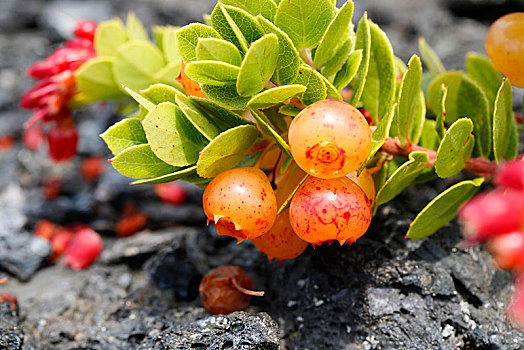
x=382, y=293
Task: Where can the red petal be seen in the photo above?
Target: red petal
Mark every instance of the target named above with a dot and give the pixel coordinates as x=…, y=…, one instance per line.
x=512, y=175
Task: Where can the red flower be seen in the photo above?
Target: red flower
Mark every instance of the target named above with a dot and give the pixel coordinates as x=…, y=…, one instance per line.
x=92, y=167
x=171, y=192
x=62, y=140
x=83, y=249
x=85, y=29
x=511, y=175
x=508, y=251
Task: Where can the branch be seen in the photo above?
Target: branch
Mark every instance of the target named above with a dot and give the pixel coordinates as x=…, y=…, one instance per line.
x=480, y=166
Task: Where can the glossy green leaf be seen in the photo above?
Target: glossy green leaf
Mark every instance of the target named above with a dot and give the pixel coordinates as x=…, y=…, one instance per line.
x=171, y=136
x=348, y=70
x=408, y=100
x=305, y=21
x=289, y=60
x=169, y=74
x=187, y=39
x=159, y=93
x=363, y=42
x=139, y=162
x=212, y=72
x=431, y=60
x=169, y=44
x=379, y=90
x=331, y=90
x=109, y=36
x=481, y=70
x=258, y=66
x=452, y=81
x=124, y=134
x=337, y=35
x=95, y=79
x=505, y=132
x=455, y=148
x=236, y=26
x=441, y=112
x=226, y=96
x=289, y=110
x=135, y=29
x=442, y=209
x=226, y=151
x=379, y=136
x=266, y=8
x=275, y=96
x=316, y=89
x=198, y=118
x=335, y=64
x=419, y=117
x=176, y=175
x=223, y=117
x=136, y=64
x=403, y=177
x=212, y=49
x=269, y=130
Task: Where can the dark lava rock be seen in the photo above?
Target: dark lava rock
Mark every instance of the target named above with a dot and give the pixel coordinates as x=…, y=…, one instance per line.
x=23, y=254
x=161, y=214
x=11, y=336
x=172, y=268
x=238, y=330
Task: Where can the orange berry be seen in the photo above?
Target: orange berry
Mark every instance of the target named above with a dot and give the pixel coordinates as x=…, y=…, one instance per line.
x=366, y=183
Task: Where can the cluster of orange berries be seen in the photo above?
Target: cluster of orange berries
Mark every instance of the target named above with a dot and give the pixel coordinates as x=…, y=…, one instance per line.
x=329, y=140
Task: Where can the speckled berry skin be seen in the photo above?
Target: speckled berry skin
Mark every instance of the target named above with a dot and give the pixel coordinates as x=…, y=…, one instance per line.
x=218, y=293
x=329, y=139
x=241, y=203
x=505, y=46
x=366, y=183
x=326, y=210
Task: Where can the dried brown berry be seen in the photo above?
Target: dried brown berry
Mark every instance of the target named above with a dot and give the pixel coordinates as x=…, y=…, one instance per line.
x=226, y=289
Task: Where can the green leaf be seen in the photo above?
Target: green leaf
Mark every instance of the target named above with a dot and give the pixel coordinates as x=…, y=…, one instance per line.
x=464, y=99
x=226, y=151
x=171, y=136
x=226, y=96
x=136, y=64
x=142, y=101
x=269, y=130
x=135, y=29
x=236, y=25
x=430, y=139
x=364, y=43
x=379, y=136
x=124, y=134
x=505, y=132
x=187, y=39
x=305, y=21
x=266, y=8
x=331, y=89
x=212, y=72
x=95, y=79
x=109, y=36
x=337, y=35
x=431, y=60
x=169, y=44
x=274, y=96
x=408, y=100
x=455, y=148
x=289, y=59
x=176, y=175
x=316, y=89
x=335, y=64
x=159, y=93
x=289, y=110
x=211, y=49
x=403, y=177
x=223, y=117
x=140, y=162
x=479, y=68
x=168, y=75
x=441, y=112
x=419, y=117
x=199, y=120
x=379, y=91
x=258, y=65
x=348, y=70
x=442, y=209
